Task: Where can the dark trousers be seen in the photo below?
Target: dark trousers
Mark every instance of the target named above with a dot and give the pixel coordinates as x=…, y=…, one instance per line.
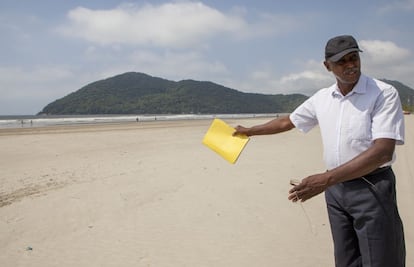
x=366, y=226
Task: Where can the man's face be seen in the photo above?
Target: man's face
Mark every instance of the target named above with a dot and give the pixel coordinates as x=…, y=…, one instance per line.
x=347, y=70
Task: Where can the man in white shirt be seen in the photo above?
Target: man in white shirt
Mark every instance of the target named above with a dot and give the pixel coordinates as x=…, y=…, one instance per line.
x=361, y=121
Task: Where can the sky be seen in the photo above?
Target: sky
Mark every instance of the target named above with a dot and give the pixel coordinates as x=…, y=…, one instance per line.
x=50, y=48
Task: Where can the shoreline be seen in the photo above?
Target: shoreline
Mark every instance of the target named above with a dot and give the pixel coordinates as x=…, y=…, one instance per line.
x=104, y=126
x=14, y=122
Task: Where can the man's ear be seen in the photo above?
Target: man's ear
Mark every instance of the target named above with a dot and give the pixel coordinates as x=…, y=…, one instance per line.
x=326, y=63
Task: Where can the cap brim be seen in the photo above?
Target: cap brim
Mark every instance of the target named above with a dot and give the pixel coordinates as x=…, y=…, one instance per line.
x=338, y=56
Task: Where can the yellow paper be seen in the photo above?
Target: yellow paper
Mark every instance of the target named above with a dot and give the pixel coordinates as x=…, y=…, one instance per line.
x=220, y=139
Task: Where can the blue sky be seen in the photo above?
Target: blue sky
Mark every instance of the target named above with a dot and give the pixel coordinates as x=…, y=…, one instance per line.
x=50, y=48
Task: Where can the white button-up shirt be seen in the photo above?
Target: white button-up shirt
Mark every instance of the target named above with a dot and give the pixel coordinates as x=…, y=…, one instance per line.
x=349, y=124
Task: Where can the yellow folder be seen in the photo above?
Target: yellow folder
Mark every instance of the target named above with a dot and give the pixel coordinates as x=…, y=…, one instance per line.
x=220, y=139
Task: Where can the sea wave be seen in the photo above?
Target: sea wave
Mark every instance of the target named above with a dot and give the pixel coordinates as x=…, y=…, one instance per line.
x=43, y=121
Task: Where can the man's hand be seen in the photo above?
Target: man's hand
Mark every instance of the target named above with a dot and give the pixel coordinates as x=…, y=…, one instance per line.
x=309, y=187
x=240, y=130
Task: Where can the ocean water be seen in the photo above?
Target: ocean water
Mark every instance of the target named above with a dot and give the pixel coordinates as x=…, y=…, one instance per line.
x=44, y=121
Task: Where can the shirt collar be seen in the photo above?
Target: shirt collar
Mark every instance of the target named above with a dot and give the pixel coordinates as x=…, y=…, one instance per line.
x=359, y=88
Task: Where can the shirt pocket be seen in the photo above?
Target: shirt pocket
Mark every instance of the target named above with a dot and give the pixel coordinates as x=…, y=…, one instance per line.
x=360, y=129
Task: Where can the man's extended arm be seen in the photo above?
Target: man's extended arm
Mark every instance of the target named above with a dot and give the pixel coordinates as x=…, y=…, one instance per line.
x=275, y=126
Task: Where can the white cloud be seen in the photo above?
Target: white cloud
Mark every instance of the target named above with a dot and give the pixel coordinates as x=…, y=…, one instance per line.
x=385, y=59
x=180, y=24
x=307, y=81
x=383, y=52
x=174, y=25
x=380, y=59
x=397, y=6
x=313, y=76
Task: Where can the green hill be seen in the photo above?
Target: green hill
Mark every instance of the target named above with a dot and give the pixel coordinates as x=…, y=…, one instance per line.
x=138, y=93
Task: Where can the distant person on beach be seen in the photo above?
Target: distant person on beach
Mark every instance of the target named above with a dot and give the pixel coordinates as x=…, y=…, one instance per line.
x=361, y=121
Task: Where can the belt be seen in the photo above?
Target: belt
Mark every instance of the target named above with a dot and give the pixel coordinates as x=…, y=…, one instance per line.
x=369, y=175
x=377, y=171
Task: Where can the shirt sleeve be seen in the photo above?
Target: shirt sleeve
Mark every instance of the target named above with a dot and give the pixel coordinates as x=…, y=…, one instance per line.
x=304, y=116
x=388, y=118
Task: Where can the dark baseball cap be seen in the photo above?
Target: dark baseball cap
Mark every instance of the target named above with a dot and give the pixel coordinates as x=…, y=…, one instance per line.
x=339, y=46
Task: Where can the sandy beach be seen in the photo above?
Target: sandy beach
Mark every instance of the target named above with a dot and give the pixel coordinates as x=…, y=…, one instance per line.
x=150, y=194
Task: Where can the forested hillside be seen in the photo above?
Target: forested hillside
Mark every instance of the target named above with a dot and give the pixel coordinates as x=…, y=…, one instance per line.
x=138, y=93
